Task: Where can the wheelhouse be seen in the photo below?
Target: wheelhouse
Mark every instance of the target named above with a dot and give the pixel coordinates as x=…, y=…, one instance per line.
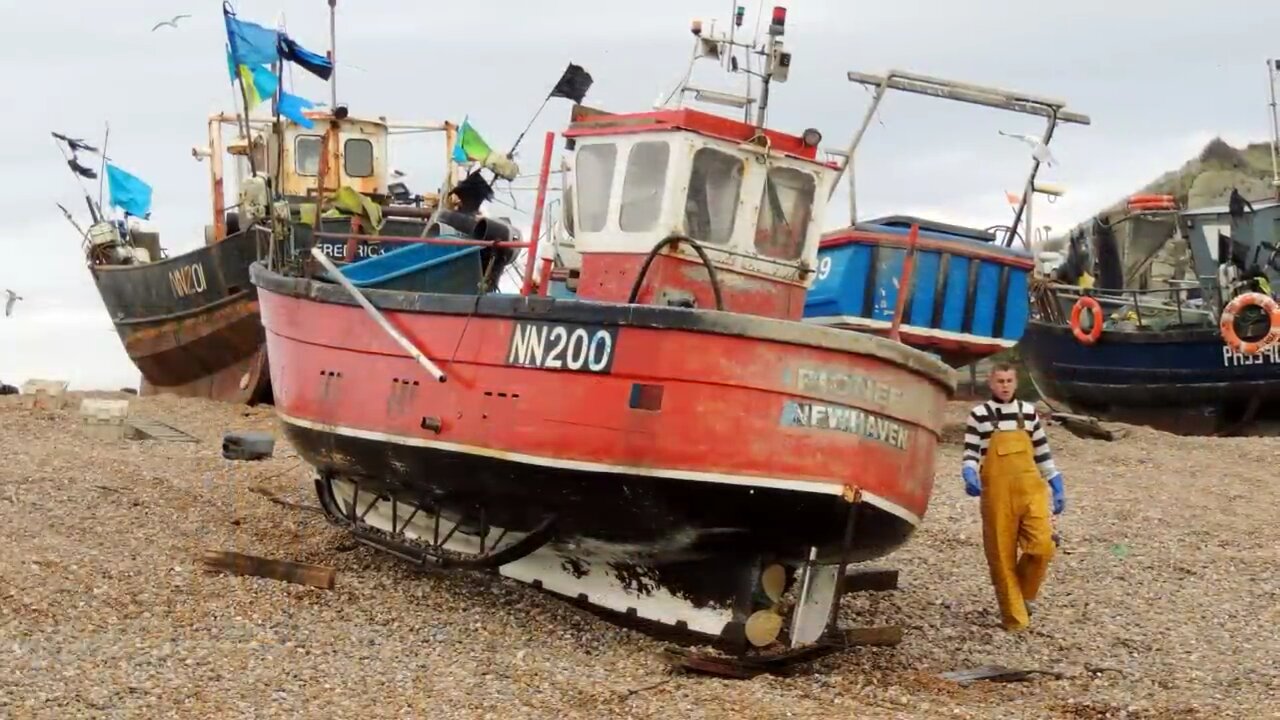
x=752, y=199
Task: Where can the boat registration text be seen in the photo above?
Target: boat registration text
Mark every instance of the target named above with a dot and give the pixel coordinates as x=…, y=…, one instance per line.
x=562, y=346
x=1269, y=356
x=188, y=280
x=822, y=416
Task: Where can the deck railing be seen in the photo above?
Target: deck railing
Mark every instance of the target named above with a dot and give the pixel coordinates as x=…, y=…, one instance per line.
x=1052, y=302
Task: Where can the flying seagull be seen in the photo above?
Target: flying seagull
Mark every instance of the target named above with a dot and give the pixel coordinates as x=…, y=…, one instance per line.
x=9, y=303
x=171, y=23
x=1039, y=150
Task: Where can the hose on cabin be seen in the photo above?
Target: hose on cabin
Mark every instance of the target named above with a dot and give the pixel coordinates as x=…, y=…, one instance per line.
x=676, y=240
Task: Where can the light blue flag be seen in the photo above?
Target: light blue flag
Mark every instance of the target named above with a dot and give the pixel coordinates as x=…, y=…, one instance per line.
x=128, y=193
x=291, y=106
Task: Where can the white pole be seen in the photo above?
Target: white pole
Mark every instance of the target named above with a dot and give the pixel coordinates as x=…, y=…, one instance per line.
x=377, y=316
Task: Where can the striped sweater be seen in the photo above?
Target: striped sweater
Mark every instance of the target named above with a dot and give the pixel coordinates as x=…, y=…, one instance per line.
x=992, y=414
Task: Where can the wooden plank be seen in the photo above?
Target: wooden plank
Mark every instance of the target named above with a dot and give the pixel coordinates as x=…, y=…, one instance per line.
x=870, y=580
x=286, y=570
x=883, y=636
x=996, y=673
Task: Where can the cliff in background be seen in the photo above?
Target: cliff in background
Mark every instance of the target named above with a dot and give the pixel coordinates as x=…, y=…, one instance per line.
x=1203, y=181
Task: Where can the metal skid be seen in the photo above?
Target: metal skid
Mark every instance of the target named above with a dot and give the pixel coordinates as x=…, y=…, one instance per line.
x=770, y=614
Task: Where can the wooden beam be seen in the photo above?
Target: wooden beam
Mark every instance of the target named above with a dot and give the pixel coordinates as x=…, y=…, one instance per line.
x=286, y=570
x=1087, y=427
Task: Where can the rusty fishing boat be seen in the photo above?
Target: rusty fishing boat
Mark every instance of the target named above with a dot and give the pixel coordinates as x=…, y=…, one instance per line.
x=189, y=321
x=964, y=291
x=673, y=444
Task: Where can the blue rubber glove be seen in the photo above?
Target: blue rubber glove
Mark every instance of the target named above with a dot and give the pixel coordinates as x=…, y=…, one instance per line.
x=972, y=487
x=1059, y=495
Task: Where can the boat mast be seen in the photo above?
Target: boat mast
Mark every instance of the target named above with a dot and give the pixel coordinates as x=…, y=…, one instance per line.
x=1275, y=127
x=333, y=56
x=776, y=61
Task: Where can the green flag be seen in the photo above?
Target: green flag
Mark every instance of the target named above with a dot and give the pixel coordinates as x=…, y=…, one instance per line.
x=470, y=146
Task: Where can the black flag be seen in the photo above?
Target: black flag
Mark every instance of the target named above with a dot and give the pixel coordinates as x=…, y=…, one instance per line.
x=81, y=170
x=472, y=192
x=573, y=84
x=75, y=143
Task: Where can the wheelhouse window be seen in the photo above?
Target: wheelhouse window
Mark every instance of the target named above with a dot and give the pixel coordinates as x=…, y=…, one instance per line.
x=357, y=158
x=594, y=184
x=306, y=154
x=711, y=206
x=784, y=213
x=643, y=186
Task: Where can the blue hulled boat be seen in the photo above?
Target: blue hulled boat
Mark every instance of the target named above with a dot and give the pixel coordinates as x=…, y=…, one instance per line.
x=966, y=297
x=1160, y=358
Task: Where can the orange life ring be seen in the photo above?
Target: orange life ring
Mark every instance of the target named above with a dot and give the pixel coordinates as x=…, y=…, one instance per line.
x=1228, y=328
x=1148, y=198
x=1153, y=206
x=1095, y=309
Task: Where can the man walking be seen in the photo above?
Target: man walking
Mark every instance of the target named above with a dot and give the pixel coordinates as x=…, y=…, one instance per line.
x=1008, y=464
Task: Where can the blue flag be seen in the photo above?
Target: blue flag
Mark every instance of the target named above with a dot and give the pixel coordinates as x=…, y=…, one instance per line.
x=291, y=106
x=313, y=63
x=251, y=44
x=128, y=193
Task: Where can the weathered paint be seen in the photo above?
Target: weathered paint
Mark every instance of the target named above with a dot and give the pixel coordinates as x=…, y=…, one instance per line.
x=297, y=183
x=719, y=415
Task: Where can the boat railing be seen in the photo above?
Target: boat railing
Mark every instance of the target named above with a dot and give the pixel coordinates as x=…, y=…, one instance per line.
x=1186, y=303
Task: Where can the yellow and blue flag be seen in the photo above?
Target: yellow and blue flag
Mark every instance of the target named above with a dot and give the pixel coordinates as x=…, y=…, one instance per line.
x=252, y=47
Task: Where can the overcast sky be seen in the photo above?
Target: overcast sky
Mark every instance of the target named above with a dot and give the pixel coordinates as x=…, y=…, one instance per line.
x=1159, y=79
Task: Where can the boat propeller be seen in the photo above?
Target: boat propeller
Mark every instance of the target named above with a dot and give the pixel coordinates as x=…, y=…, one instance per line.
x=764, y=625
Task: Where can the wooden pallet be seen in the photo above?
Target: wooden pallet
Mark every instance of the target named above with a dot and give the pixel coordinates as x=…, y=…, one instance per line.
x=144, y=429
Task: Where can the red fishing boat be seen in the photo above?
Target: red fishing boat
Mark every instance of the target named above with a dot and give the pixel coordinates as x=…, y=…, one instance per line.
x=673, y=443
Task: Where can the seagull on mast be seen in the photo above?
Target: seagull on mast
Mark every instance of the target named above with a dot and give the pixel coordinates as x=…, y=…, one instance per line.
x=171, y=23
x=1039, y=150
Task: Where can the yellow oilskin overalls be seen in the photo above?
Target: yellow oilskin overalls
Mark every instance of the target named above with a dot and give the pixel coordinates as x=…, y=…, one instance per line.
x=1015, y=512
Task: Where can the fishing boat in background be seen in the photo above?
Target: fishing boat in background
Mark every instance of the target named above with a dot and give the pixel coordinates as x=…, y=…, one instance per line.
x=190, y=321
x=961, y=293
x=1191, y=350
x=672, y=443
x=965, y=299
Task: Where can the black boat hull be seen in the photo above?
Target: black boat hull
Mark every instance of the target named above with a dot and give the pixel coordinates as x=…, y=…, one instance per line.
x=659, y=520
x=190, y=323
